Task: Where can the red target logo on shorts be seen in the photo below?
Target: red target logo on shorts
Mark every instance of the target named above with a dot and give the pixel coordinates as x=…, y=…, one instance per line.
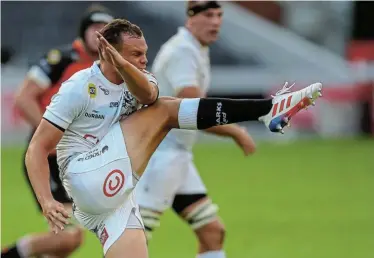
x=113, y=183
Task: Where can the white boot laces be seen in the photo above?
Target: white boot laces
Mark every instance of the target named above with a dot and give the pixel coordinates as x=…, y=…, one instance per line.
x=284, y=90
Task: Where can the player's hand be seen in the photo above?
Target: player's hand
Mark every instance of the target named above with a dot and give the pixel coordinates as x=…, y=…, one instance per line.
x=56, y=215
x=109, y=53
x=245, y=141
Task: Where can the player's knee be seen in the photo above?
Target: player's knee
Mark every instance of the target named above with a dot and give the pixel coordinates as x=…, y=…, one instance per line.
x=168, y=105
x=211, y=236
x=151, y=220
x=216, y=230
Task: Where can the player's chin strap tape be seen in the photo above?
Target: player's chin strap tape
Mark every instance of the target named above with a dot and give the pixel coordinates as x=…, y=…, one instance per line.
x=202, y=215
x=151, y=220
x=202, y=7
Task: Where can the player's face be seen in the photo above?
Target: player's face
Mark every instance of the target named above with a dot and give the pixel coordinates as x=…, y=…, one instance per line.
x=135, y=50
x=207, y=25
x=91, y=38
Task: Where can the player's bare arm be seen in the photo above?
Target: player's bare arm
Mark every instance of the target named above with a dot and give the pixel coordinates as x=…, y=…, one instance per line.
x=138, y=84
x=236, y=132
x=27, y=100
x=45, y=140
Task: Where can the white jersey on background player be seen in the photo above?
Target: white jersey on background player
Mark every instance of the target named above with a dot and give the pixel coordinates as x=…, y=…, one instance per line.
x=88, y=108
x=181, y=62
x=171, y=179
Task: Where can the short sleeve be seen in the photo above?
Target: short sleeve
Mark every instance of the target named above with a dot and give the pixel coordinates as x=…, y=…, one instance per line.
x=182, y=70
x=150, y=77
x=66, y=105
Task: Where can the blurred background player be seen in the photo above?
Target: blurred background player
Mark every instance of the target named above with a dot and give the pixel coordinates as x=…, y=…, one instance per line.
x=171, y=180
x=42, y=81
x=6, y=54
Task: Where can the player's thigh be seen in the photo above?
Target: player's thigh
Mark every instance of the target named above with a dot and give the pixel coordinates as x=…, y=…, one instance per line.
x=132, y=243
x=163, y=176
x=191, y=191
x=193, y=183
x=192, y=202
x=145, y=129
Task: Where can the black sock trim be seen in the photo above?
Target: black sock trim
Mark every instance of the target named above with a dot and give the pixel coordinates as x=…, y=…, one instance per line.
x=220, y=111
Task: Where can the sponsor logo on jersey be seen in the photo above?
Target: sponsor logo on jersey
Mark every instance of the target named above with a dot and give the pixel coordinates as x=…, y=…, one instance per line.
x=92, y=91
x=116, y=104
x=106, y=91
x=94, y=153
x=95, y=114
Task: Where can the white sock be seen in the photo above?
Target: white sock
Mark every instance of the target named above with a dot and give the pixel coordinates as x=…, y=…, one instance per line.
x=212, y=254
x=23, y=246
x=187, y=115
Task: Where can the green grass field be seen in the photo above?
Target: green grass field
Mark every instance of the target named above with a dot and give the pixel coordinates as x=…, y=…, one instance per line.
x=309, y=199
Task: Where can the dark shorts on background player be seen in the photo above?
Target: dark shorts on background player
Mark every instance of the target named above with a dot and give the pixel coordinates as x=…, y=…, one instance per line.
x=57, y=188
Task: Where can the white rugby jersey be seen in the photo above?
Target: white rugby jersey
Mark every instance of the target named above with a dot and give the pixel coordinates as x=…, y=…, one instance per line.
x=86, y=106
x=181, y=62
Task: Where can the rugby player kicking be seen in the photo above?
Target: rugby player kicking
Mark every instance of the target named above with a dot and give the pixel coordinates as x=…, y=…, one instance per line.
x=105, y=138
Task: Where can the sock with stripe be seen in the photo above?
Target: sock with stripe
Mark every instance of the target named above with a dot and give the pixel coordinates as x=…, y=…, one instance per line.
x=202, y=113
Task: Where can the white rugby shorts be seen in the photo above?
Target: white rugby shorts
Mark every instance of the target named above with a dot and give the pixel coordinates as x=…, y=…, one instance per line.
x=101, y=184
x=171, y=171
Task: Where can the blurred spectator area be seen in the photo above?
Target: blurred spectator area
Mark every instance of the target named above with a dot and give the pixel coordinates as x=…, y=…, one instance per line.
x=314, y=20
x=32, y=27
x=262, y=45
x=38, y=26
x=269, y=10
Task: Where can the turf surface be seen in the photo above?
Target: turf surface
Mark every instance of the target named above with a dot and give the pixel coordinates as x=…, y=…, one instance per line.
x=306, y=199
